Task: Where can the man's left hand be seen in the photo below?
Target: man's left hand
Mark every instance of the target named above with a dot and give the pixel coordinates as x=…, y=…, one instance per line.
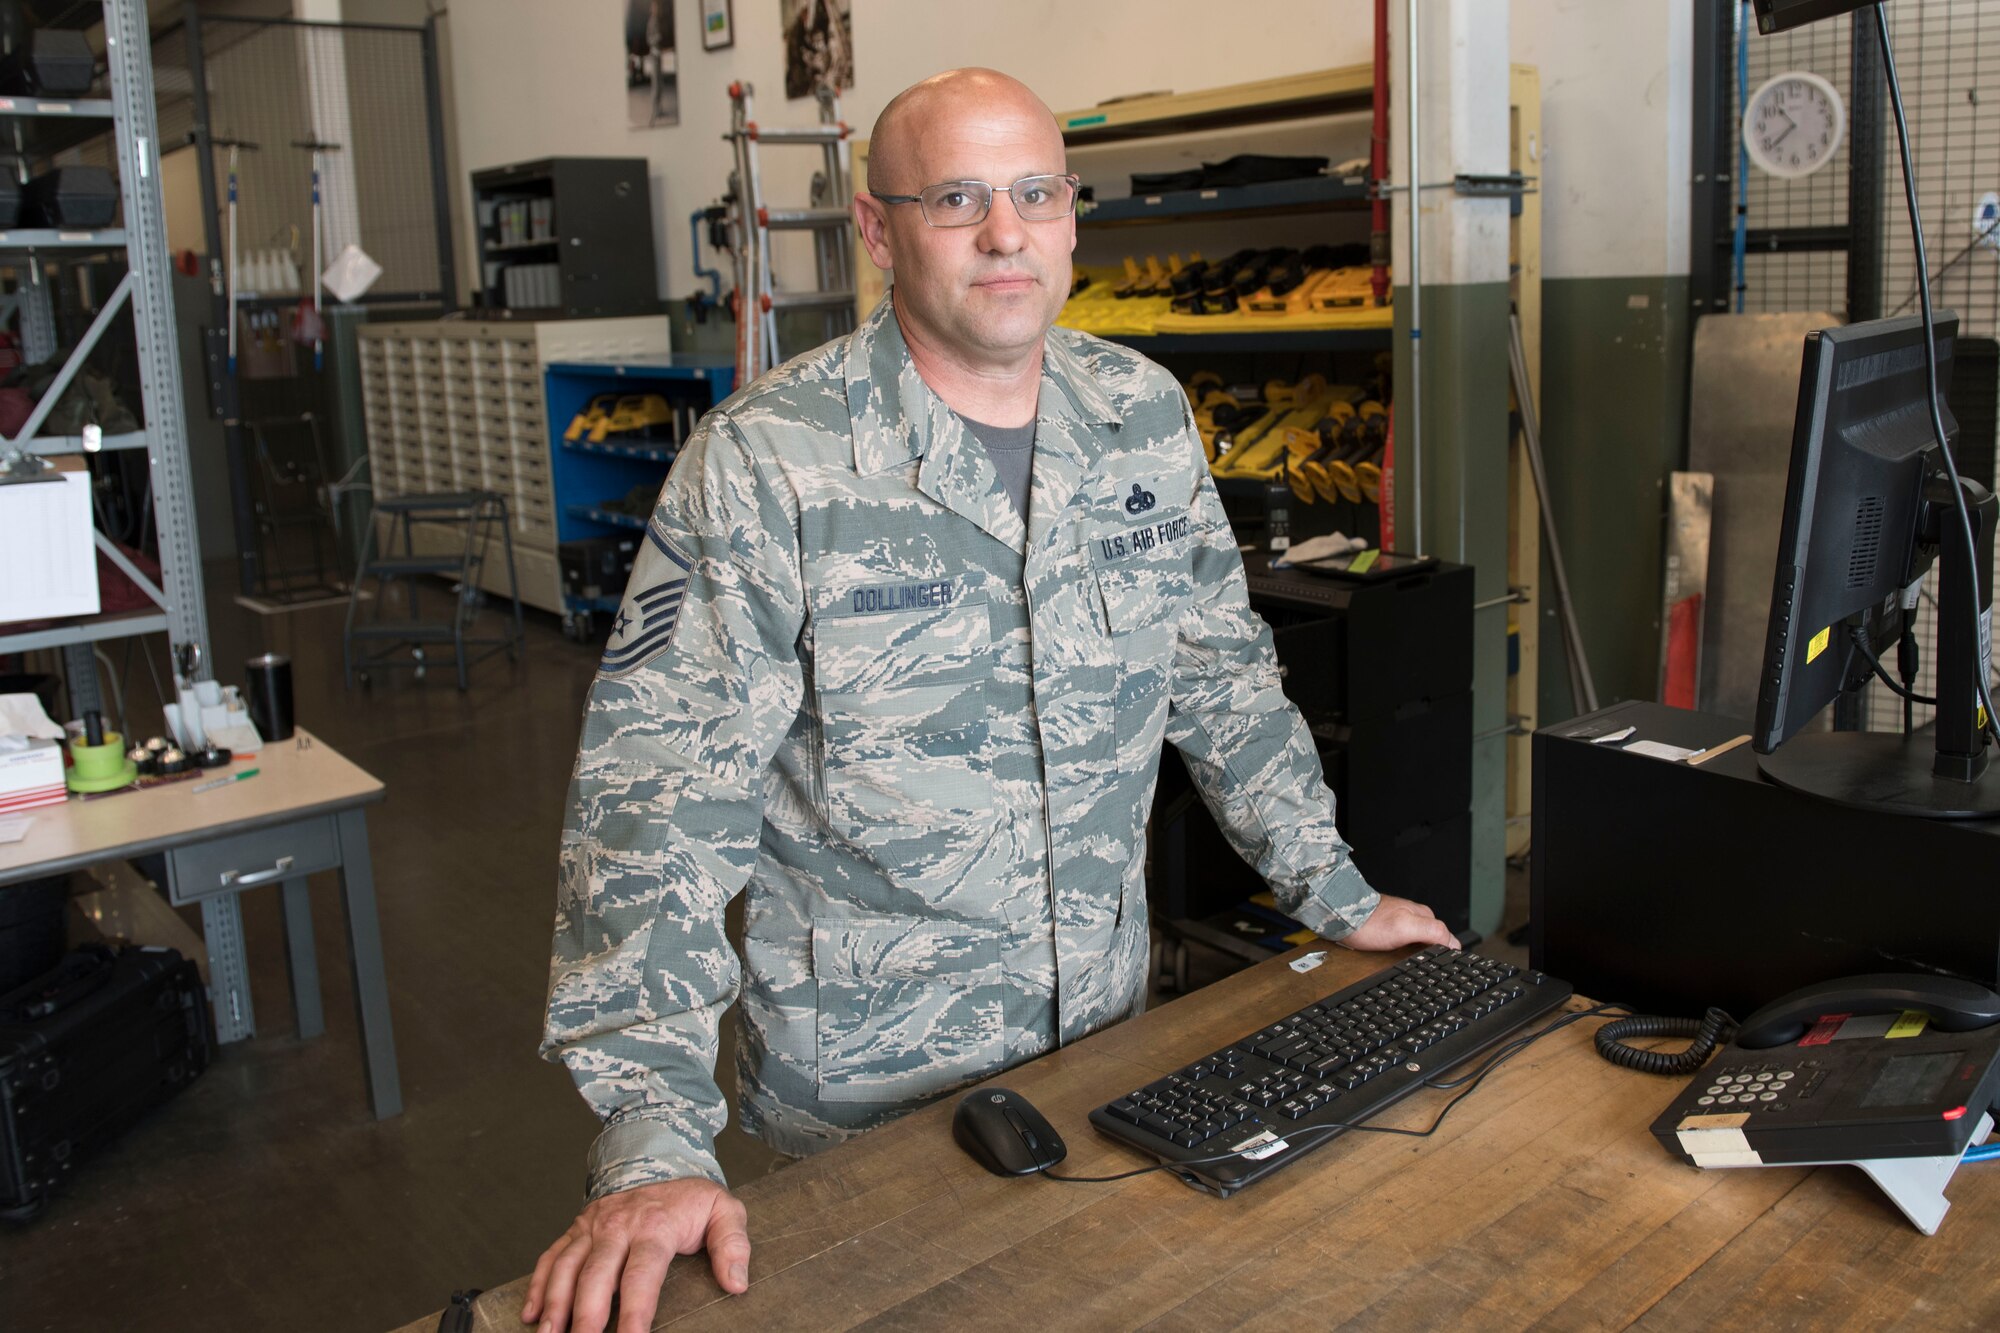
x=1397, y=922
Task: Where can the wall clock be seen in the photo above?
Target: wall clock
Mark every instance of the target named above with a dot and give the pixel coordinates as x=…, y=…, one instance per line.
x=1793, y=125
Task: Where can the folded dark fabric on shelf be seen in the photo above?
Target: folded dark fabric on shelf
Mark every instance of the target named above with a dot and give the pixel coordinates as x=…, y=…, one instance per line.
x=1243, y=169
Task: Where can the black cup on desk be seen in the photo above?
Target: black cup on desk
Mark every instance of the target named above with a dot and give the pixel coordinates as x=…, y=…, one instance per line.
x=267, y=693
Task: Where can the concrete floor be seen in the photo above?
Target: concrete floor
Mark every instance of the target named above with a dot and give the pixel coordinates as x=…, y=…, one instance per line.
x=266, y=1196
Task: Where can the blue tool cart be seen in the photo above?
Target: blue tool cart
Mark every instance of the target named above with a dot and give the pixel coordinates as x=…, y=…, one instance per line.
x=604, y=479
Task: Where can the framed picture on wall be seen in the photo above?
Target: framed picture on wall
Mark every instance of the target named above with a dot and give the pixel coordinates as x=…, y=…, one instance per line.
x=718, y=25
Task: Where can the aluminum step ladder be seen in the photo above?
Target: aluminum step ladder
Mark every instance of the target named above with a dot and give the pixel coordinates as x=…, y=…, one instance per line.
x=758, y=301
x=477, y=515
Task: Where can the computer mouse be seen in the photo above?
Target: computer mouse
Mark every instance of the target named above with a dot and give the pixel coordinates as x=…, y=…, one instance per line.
x=1003, y=1132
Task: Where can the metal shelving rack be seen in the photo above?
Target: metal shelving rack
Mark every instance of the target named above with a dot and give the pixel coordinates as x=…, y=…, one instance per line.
x=32, y=129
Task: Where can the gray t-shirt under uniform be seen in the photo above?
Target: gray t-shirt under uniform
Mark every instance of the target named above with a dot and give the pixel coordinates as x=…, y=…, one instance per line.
x=1013, y=451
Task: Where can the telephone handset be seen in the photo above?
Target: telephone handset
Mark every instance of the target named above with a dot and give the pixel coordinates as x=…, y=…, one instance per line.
x=1952, y=1003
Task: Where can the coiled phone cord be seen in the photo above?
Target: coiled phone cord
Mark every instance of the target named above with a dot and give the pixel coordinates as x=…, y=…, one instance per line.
x=1705, y=1034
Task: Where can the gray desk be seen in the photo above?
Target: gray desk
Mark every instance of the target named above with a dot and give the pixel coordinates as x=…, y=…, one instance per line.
x=303, y=813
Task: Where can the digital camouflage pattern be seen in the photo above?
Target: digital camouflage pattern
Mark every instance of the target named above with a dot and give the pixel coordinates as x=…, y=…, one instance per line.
x=922, y=734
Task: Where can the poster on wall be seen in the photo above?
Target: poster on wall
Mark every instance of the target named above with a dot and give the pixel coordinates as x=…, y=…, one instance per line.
x=652, y=76
x=819, y=45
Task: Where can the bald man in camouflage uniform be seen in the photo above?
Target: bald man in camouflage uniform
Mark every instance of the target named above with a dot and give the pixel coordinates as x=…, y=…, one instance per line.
x=908, y=693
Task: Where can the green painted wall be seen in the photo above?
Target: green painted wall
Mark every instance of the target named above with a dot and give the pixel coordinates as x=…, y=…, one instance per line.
x=1464, y=451
x=1614, y=424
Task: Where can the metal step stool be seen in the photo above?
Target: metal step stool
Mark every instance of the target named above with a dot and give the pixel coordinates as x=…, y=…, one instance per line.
x=478, y=514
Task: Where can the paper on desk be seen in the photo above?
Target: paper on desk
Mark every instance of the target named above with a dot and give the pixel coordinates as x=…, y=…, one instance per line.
x=1307, y=962
x=48, y=564
x=13, y=830
x=1660, y=750
x=22, y=715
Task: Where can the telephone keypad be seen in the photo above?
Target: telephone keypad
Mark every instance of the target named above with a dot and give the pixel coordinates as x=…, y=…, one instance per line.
x=1758, y=1087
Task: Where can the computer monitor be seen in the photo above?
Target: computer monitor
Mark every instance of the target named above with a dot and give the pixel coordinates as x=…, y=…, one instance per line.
x=1868, y=512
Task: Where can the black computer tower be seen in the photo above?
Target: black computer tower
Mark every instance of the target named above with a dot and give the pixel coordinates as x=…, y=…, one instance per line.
x=1674, y=887
x=1382, y=671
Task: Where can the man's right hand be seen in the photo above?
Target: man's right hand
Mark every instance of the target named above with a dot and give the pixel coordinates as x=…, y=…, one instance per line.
x=1397, y=922
x=623, y=1243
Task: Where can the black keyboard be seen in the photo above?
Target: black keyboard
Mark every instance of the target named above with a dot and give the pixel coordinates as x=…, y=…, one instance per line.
x=1265, y=1100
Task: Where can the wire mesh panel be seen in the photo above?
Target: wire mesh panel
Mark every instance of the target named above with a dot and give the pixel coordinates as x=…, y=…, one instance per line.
x=1797, y=279
x=1948, y=58
x=1948, y=61
x=360, y=93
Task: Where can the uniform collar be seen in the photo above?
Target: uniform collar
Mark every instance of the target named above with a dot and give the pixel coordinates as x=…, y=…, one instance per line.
x=892, y=409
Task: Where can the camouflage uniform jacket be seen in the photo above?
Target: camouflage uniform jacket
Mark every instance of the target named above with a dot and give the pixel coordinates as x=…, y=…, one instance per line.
x=923, y=734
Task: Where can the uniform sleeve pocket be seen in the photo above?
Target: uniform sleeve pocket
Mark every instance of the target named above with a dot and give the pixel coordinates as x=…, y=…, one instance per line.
x=908, y=1009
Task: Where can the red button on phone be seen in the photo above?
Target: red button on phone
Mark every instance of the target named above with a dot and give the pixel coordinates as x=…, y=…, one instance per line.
x=1954, y=1113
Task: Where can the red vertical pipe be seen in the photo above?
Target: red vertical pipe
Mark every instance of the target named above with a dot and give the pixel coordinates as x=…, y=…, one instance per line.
x=1378, y=160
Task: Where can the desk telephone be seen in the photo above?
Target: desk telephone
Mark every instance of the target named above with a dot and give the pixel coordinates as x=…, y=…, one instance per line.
x=1872, y=1070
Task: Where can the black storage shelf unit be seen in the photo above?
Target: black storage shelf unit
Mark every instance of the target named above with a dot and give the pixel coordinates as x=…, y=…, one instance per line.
x=1382, y=671
x=566, y=238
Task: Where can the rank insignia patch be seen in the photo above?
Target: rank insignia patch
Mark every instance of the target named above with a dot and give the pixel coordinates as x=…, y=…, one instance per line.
x=646, y=619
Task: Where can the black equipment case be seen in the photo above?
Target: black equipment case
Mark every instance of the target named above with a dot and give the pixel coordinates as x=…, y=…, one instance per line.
x=49, y=62
x=71, y=197
x=85, y=1051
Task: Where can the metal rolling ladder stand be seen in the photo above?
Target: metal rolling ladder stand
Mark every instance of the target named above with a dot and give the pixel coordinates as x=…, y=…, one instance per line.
x=478, y=514
x=758, y=303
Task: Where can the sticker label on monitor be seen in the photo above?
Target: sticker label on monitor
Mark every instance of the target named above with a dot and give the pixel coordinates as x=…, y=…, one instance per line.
x=1819, y=643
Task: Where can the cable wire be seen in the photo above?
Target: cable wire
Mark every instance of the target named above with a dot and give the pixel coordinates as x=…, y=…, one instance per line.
x=1930, y=355
x=1903, y=692
x=1953, y=263
x=1507, y=1051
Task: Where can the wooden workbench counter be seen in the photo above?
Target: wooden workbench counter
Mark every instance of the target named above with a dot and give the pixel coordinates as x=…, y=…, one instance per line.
x=1543, y=1200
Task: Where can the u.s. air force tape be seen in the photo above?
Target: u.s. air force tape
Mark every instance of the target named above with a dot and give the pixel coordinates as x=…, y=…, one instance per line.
x=651, y=609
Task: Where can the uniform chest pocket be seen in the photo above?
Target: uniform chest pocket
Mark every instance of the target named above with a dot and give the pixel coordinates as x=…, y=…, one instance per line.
x=1145, y=575
x=905, y=714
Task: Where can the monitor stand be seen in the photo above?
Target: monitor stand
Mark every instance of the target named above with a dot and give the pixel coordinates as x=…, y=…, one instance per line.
x=1879, y=770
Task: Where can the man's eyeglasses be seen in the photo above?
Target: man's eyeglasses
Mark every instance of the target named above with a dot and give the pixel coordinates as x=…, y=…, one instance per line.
x=964, y=203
